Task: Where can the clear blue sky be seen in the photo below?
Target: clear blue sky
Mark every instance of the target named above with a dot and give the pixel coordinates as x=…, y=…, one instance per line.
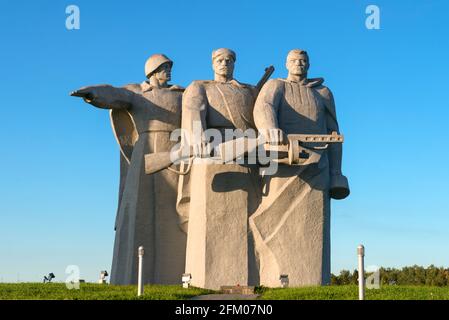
x=59, y=160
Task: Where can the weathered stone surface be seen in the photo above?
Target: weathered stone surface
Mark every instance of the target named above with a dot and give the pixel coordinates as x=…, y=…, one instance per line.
x=219, y=250
x=219, y=245
x=292, y=225
x=243, y=229
x=143, y=116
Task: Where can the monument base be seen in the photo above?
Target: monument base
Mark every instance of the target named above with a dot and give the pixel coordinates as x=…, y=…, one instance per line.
x=237, y=290
x=219, y=248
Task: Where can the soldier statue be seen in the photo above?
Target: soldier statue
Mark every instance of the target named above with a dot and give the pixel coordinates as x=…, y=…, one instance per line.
x=143, y=117
x=291, y=227
x=222, y=196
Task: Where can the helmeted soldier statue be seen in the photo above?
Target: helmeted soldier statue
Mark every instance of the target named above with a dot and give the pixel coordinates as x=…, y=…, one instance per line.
x=292, y=225
x=143, y=116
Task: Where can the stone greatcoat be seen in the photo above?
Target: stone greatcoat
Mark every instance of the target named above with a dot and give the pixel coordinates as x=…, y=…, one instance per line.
x=147, y=213
x=222, y=196
x=292, y=225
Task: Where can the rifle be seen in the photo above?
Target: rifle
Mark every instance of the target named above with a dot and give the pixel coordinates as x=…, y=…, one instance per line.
x=268, y=72
x=155, y=162
x=304, y=149
x=301, y=149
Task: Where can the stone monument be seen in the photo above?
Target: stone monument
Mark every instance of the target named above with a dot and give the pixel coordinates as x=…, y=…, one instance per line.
x=143, y=117
x=291, y=227
x=217, y=222
x=222, y=196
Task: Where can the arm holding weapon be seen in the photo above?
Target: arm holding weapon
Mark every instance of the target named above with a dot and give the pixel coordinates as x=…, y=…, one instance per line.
x=302, y=149
x=193, y=113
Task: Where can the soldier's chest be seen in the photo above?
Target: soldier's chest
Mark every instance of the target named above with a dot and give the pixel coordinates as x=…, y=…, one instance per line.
x=225, y=97
x=168, y=100
x=302, y=101
x=158, y=104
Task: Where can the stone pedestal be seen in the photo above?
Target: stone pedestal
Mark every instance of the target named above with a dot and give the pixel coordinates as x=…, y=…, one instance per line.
x=237, y=290
x=218, y=252
x=292, y=227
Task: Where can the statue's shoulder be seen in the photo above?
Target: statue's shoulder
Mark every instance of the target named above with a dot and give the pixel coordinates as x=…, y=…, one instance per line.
x=175, y=87
x=199, y=83
x=317, y=84
x=134, y=87
x=197, y=86
x=241, y=84
x=274, y=84
x=326, y=94
x=146, y=86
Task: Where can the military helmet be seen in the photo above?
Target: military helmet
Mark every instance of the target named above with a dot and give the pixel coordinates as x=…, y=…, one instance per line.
x=154, y=62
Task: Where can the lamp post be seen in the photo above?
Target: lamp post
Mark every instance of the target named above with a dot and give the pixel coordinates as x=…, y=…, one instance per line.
x=284, y=280
x=103, y=275
x=141, y=252
x=186, y=278
x=361, y=255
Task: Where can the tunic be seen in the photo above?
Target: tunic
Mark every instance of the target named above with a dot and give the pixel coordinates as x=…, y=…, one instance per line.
x=292, y=225
x=222, y=196
x=147, y=214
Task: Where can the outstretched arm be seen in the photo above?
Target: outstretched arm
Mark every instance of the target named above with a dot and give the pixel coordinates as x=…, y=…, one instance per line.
x=106, y=96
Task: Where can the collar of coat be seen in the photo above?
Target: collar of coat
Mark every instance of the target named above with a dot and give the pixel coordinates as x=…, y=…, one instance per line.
x=239, y=84
x=233, y=82
x=312, y=82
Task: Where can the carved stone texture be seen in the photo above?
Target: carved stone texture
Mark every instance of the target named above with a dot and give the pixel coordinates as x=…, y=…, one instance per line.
x=292, y=225
x=222, y=196
x=143, y=116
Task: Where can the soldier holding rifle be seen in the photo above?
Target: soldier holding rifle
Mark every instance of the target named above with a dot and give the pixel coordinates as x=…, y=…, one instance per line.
x=292, y=225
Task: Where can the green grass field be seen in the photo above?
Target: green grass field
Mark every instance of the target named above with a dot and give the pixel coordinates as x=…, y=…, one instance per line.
x=90, y=291
x=350, y=292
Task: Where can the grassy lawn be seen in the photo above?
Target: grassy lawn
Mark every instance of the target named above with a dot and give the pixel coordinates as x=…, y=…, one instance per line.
x=351, y=292
x=89, y=291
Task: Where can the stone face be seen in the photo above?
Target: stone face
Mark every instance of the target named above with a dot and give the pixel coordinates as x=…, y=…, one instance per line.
x=143, y=116
x=292, y=225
